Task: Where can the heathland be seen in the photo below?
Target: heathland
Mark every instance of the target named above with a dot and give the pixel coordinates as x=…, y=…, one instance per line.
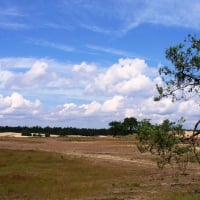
x=88, y=168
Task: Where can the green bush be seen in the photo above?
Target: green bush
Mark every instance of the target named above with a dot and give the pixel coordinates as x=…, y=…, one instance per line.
x=47, y=134
x=26, y=133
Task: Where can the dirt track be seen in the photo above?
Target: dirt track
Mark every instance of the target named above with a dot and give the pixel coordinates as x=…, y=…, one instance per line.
x=112, y=149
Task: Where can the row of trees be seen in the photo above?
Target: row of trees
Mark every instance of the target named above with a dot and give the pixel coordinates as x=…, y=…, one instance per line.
x=127, y=126
x=55, y=131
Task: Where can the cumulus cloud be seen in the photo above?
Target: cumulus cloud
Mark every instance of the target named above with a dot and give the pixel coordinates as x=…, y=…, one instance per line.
x=9, y=63
x=125, y=78
x=97, y=111
x=84, y=68
x=93, y=108
x=98, y=114
x=189, y=108
x=85, y=95
x=16, y=104
x=36, y=75
x=112, y=105
x=5, y=76
x=126, y=89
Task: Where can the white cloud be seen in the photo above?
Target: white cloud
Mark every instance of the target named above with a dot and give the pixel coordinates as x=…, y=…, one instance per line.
x=125, y=77
x=13, y=25
x=129, y=14
x=164, y=107
x=124, y=15
x=84, y=95
x=92, y=114
x=140, y=83
x=96, y=29
x=84, y=68
x=167, y=12
x=5, y=76
x=189, y=108
x=91, y=108
x=16, y=104
x=36, y=75
x=109, y=50
x=45, y=77
x=9, y=18
x=10, y=12
x=9, y=63
x=37, y=70
x=53, y=45
x=112, y=105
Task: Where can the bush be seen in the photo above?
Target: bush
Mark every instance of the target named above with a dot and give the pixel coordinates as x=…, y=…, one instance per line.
x=26, y=133
x=47, y=134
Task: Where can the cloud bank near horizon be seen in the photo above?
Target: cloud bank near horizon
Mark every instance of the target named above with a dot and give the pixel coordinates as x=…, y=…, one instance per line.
x=46, y=92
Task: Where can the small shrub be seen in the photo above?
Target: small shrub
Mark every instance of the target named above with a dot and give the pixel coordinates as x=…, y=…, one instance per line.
x=26, y=133
x=47, y=134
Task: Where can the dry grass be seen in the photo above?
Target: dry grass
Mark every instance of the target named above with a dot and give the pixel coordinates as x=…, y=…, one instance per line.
x=87, y=169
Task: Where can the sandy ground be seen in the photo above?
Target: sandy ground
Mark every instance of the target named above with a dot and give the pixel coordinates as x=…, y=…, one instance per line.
x=11, y=134
x=123, y=150
x=18, y=135
x=119, y=152
x=109, y=148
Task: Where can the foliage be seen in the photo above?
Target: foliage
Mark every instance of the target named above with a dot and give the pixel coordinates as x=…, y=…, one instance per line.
x=47, y=134
x=181, y=81
x=26, y=132
x=182, y=78
x=116, y=128
x=165, y=141
x=61, y=131
x=128, y=126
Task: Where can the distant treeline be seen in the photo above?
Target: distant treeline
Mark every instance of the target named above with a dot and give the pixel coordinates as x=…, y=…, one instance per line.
x=56, y=131
x=127, y=126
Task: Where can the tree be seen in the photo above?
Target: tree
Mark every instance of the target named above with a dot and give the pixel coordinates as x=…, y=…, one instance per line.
x=116, y=127
x=163, y=140
x=26, y=132
x=181, y=80
x=130, y=124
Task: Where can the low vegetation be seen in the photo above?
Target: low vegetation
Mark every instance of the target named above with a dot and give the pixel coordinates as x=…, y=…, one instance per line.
x=169, y=142
x=33, y=174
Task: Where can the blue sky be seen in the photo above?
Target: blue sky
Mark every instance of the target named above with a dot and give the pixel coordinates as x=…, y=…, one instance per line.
x=85, y=63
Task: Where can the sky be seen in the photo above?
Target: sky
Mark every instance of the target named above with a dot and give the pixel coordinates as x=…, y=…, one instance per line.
x=85, y=63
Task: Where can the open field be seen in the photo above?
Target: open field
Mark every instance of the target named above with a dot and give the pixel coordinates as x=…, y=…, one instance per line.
x=88, y=168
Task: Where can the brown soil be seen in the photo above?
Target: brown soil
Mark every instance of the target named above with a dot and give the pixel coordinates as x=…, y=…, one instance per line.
x=108, y=148
x=122, y=151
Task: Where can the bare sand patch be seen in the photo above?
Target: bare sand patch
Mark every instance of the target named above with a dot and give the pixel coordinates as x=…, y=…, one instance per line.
x=11, y=134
